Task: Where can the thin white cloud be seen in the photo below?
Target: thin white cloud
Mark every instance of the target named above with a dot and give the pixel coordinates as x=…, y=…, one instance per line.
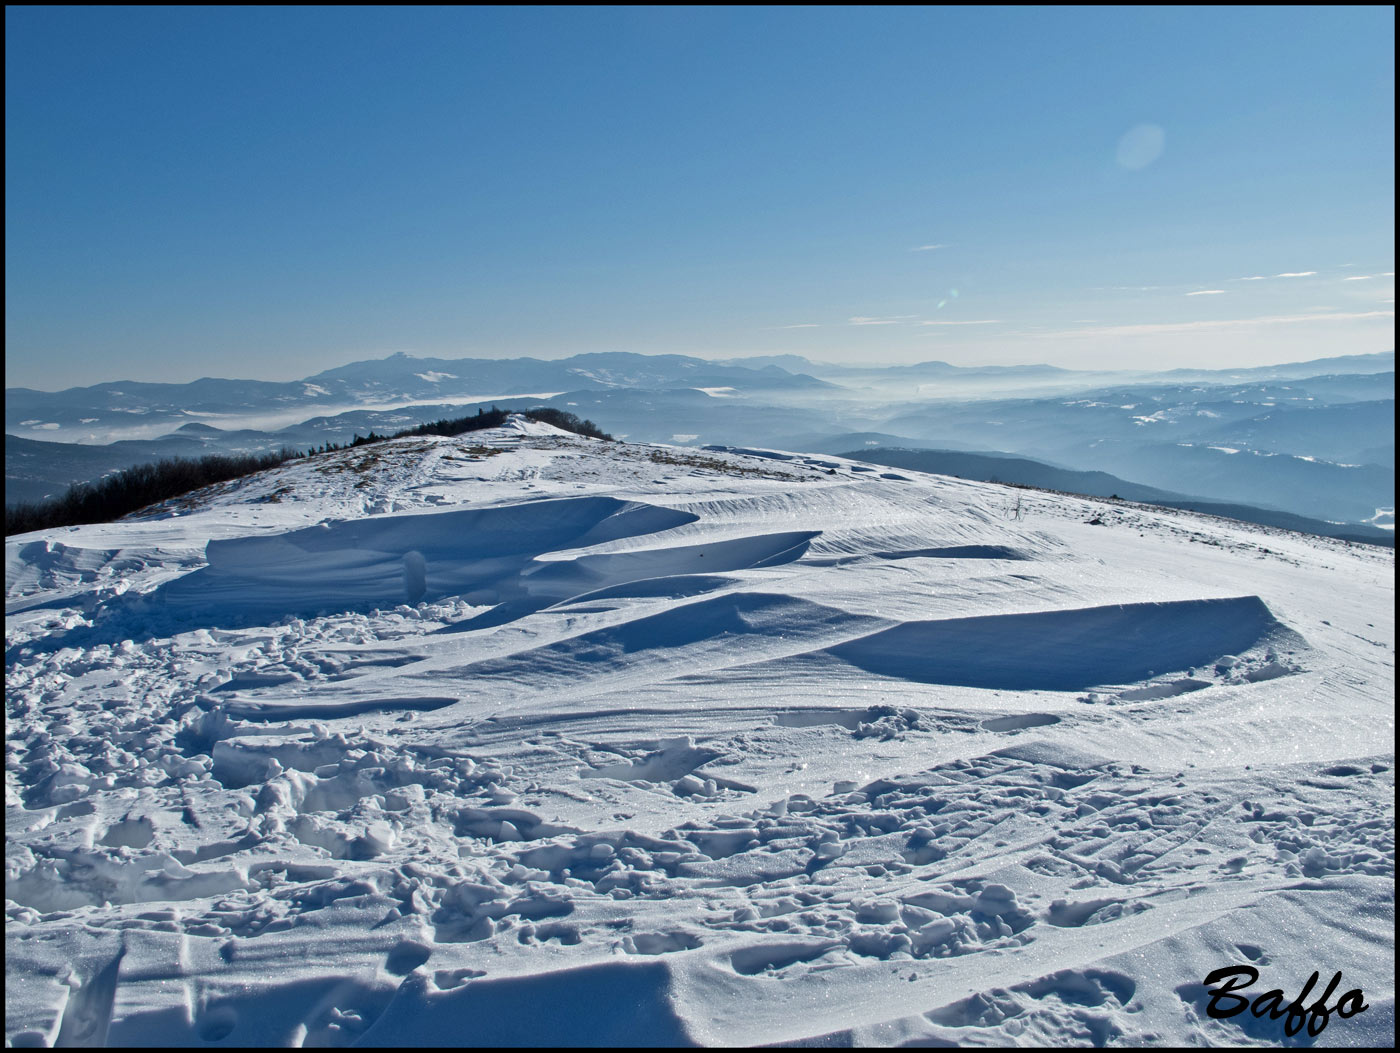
x=1228, y=323
x=927, y=248
x=1251, y=278
x=1359, y=278
x=873, y=321
x=980, y=321
x=1296, y=274
x=1206, y=292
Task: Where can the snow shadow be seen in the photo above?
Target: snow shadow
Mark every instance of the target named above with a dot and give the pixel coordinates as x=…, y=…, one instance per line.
x=558, y=580
x=1067, y=650
x=487, y=553
x=956, y=552
x=944, y=552
x=668, y=587
x=723, y=630
x=299, y=1012
x=673, y=573
x=608, y=1004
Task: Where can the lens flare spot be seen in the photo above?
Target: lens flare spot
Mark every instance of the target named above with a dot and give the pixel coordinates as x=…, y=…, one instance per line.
x=1141, y=145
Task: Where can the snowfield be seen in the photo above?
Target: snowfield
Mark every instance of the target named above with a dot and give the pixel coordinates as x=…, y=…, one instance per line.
x=524, y=738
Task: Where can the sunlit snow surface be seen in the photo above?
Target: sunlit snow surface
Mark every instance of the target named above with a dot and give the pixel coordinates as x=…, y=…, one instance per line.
x=525, y=738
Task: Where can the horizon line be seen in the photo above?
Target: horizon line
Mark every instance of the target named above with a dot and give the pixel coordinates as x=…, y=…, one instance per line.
x=734, y=358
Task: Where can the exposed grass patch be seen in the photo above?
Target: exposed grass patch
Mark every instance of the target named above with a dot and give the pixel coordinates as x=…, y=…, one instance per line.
x=722, y=467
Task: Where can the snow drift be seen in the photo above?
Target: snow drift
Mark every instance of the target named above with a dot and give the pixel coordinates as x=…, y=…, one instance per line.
x=527, y=739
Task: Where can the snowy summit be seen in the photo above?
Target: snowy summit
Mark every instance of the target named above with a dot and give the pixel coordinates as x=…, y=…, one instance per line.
x=519, y=737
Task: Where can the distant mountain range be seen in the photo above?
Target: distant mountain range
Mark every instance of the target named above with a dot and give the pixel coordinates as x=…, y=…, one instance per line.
x=1315, y=439
x=402, y=378
x=1373, y=363
x=397, y=379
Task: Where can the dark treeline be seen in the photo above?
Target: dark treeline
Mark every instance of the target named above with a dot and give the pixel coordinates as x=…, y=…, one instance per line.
x=495, y=417
x=133, y=489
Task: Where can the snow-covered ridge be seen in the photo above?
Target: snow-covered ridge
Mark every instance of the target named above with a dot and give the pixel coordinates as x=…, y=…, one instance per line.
x=524, y=737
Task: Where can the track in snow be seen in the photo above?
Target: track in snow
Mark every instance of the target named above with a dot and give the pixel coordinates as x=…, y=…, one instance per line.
x=724, y=759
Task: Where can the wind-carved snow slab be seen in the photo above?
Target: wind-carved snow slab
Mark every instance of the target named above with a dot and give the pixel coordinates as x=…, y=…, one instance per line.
x=665, y=809
x=609, y=1004
x=691, y=639
x=354, y=708
x=943, y=552
x=55, y=571
x=956, y=552
x=1068, y=650
x=385, y=561
x=576, y=578
x=669, y=587
x=724, y=630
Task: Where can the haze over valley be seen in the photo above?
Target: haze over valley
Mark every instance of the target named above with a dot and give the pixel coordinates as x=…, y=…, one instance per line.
x=1314, y=439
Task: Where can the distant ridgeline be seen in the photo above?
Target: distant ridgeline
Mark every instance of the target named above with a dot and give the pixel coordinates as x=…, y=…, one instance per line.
x=1025, y=472
x=136, y=488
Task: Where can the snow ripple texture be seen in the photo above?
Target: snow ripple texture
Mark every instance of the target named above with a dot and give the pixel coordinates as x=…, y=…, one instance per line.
x=522, y=738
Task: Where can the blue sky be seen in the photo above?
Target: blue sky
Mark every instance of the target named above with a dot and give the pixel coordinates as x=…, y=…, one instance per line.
x=270, y=192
